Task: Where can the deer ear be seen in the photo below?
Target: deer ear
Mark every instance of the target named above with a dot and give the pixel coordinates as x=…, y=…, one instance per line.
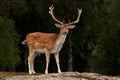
x=57, y=25
x=71, y=26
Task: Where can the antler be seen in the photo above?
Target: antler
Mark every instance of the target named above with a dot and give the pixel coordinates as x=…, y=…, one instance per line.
x=51, y=8
x=79, y=13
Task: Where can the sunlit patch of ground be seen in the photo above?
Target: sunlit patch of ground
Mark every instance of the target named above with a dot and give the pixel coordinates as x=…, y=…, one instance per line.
x=9, y=74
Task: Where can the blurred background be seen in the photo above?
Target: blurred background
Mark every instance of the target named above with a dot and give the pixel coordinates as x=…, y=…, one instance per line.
x=92, y=46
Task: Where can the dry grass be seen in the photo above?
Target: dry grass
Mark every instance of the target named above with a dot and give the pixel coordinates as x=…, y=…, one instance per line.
x=9, y=74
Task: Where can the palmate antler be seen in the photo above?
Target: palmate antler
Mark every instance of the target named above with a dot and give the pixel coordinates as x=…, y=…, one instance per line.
x=78, y=18
x=51, y=8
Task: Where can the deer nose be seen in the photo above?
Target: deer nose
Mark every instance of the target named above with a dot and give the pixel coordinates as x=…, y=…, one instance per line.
x=65, y=33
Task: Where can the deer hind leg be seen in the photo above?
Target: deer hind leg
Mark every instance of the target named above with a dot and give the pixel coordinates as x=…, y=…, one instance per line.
x=31, y=58
x=47, y=54
x=57, y=61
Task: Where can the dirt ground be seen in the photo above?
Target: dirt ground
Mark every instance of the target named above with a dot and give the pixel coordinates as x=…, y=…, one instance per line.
x=55, y=76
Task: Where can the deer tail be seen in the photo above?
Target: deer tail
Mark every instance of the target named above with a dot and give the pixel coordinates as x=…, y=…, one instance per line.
x=24, y=42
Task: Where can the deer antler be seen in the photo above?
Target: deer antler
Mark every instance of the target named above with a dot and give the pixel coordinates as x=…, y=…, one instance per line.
x=51, y=8
x=79, y=13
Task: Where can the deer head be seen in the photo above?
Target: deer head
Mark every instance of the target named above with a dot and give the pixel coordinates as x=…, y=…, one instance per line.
x=64, y=26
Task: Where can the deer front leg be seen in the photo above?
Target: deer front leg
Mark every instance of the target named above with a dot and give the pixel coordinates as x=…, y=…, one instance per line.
x=57, y=61
x=47, y=61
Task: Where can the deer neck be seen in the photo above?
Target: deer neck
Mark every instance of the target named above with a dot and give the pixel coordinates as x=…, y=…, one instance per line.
x=59, y=43
x=61, y=39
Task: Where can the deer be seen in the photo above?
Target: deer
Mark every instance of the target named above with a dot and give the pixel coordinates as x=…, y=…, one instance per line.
x=48, y=43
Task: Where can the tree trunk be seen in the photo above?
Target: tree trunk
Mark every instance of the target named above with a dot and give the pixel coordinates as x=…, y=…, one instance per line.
x=70, y=58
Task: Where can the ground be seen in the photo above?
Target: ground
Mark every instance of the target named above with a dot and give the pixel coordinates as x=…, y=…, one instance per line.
x=55, y=76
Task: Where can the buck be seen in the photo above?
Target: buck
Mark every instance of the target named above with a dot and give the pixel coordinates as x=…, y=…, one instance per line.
x=48, y=43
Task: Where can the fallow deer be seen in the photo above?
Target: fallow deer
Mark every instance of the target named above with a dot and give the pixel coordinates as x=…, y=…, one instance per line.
x=48, y=43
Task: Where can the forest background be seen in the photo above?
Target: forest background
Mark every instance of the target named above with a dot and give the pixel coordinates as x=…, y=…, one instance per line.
x=92, y=46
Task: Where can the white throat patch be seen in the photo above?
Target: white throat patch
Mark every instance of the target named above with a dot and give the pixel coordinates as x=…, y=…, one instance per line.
x=59, y=44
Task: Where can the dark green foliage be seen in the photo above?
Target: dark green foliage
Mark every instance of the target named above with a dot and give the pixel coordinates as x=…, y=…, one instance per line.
x=105, y=55
x=9, y=52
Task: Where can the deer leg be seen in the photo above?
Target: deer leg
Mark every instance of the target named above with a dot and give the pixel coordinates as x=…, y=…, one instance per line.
x=29, y=64
x=47, y=61
x=57, y=61
x=31, y=58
